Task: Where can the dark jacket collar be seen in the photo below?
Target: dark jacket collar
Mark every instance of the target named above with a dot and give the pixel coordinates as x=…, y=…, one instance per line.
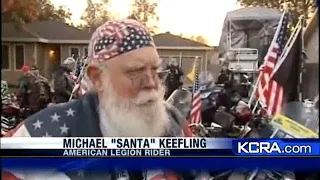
x=89, y=125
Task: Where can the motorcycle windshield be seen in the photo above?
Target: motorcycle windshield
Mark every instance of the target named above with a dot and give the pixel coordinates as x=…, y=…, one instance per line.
x=181, y=99
x=297, y=120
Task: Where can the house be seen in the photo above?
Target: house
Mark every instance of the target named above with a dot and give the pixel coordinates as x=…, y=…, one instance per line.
x=311, y=75
x=43, y=44
x=184, y=51
x=46, y=44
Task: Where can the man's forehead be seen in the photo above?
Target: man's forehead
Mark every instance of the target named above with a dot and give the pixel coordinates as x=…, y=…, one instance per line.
x=139, y=63
x=139, y=57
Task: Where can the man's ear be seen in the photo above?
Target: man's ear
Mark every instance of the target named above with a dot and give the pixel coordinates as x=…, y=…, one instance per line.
x=94, y=74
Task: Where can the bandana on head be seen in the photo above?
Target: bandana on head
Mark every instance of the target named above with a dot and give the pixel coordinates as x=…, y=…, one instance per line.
x=117, y=37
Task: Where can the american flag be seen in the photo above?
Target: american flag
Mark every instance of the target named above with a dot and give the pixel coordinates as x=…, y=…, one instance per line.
x=62, y=120
x=195, y=114
x=270, y=92
x=55, y=121
x=81, y=85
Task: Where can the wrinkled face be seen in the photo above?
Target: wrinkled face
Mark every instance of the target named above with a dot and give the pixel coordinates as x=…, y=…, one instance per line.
x=135, y=71
x=130, y=93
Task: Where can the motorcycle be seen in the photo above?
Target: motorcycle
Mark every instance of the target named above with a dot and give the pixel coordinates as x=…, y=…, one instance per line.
x=218, y=121
x=297, y=120
x=11, y=114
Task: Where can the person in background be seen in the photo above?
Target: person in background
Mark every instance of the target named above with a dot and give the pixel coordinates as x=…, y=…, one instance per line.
x=34, y=91
x=125, y=100
x=225, y=75
x=174, y=79
x=24, y=85
x=45, y=91
x=63, y=81
x=36, y=73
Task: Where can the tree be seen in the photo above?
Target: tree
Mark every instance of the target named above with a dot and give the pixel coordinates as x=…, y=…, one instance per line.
x=23, y=11
x=95, y=15
x=296, y=7
x=61, y=13
x=199, y=39
x=19, y=11
x=144, y=11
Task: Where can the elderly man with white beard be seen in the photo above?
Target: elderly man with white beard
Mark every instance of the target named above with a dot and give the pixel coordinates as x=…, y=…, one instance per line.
x=125, y=100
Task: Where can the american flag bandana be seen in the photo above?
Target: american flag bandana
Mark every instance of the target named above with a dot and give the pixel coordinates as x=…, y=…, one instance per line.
x=117, y=37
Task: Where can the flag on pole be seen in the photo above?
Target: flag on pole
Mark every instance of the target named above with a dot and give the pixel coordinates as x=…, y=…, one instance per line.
x=79, y=65
x=289, y=69
x=270, y=92
x=191, y=75
x=195, y=114
x=81, y=85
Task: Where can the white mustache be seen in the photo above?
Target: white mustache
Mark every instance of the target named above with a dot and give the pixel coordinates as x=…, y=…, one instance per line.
x=147, y=96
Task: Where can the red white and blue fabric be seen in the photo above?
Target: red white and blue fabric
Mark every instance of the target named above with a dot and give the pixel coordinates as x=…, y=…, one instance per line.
x=270, y=93
x=195, y=114
x=118, y=37
x=112, y=39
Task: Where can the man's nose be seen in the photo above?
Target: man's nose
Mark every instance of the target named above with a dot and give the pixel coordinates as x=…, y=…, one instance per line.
x=150, y=80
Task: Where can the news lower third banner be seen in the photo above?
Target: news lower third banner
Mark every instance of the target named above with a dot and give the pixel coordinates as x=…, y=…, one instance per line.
x=158, y=147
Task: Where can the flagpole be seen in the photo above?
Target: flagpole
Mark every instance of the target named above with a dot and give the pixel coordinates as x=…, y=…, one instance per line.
x=180, y=60
x=289, y=45
x=79, y=78
x=303, y=20
x=255, y=87
x=195, y=64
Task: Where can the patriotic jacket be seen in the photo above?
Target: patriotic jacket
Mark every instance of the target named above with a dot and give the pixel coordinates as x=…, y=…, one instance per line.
x=77, y=118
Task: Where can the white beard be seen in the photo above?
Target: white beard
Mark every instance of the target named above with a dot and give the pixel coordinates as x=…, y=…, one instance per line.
x=129, y=117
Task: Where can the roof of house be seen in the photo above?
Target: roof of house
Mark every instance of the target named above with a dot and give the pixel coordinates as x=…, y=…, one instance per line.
x=312, y=25
x=12, y=30
x=59, y=32
x=170, y=41
x=45, y=31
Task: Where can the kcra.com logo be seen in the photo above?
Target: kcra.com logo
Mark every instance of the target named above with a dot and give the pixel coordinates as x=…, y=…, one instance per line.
x=271, y=148
x=258, y=147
